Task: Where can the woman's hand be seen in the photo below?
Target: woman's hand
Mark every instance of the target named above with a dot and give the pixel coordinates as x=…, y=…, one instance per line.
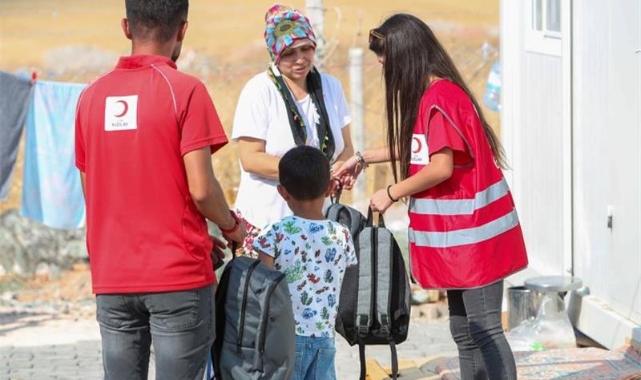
x=336, y=166
x=348, y=172
x=380, y=201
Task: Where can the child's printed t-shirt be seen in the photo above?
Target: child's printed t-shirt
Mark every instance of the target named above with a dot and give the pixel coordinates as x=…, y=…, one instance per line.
x=313, y=254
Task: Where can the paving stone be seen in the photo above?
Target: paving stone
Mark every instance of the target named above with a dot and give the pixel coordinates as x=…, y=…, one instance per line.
x=83, y=361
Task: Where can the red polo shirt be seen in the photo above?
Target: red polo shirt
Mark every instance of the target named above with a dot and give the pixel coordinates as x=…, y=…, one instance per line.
x=133, y=126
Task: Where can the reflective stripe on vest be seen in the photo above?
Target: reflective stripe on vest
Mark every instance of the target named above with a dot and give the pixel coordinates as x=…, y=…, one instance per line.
x=460, y=206
x=464, y=236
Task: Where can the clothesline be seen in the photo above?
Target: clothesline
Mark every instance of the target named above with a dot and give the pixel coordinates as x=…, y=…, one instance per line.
x=51, y=191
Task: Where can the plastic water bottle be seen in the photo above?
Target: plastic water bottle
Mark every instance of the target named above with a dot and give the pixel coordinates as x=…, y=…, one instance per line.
x=492, y=95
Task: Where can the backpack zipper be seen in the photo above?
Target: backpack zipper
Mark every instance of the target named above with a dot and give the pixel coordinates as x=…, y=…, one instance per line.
x=263, y=330
x=244, y=306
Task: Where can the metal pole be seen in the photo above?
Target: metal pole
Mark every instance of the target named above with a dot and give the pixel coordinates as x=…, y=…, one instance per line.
x=316, y=14
x=356, y=108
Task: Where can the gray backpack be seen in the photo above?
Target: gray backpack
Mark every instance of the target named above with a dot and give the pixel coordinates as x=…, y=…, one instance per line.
x=374, y=306
x=255, y=328
x=345, y=215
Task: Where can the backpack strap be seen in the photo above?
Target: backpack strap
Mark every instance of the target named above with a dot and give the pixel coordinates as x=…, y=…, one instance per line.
x=246, y=280
x=383, y=283
x=333, y=210
x=392, y=347
x=364, y=294
x=383, y=279
x=383, y=273
x=220, y=321
x=335, y=196
x=361, y=355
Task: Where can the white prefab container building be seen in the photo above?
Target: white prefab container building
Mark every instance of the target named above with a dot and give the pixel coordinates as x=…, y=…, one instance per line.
x=571, y=126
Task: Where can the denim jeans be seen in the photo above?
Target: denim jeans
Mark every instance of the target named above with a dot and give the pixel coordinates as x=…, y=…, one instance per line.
x=180, y=325
x=314, y=358
x=475, y=323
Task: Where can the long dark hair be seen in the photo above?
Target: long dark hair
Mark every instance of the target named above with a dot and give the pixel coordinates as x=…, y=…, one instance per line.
x=412, y=55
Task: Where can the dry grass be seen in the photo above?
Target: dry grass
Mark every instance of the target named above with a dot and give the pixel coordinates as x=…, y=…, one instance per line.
x=224, y=47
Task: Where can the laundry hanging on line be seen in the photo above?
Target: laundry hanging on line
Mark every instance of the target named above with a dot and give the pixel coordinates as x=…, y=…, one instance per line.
x=13, y=112
x=51, y=188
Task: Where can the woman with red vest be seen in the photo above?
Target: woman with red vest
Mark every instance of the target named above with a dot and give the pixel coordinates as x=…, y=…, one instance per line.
x=464, y=232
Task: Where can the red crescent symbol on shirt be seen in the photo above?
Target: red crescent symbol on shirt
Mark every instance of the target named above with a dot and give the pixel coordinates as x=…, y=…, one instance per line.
x=419, y=145
x=125, y=108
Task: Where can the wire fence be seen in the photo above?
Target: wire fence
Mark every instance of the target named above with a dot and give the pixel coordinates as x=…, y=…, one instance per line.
x=225, y=78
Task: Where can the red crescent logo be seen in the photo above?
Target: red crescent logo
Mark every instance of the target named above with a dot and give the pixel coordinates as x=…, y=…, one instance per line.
x=419, y=145
x=125, y=108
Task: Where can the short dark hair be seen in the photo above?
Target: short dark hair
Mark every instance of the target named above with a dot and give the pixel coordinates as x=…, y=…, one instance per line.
x=155, y=19
x=304, y=172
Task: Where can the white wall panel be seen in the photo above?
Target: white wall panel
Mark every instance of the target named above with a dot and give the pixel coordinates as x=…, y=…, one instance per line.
x=607, y=140
x=541, y=156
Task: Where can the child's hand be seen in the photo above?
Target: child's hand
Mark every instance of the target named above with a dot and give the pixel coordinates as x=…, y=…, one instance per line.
x=217, y=252
x=348, y=172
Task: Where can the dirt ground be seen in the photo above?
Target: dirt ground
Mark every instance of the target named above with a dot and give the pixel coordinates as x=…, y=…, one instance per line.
x=75, y=40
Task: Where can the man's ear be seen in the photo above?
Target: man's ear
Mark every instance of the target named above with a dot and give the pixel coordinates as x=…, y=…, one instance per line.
x=283, y=193
x=182, y=30
x=124, y=23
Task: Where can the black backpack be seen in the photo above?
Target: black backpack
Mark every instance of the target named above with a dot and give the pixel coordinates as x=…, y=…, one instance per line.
x=374, y=306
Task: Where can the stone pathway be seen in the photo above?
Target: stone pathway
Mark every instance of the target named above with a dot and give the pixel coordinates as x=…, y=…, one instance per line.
x=425, y=339
x=82, y=359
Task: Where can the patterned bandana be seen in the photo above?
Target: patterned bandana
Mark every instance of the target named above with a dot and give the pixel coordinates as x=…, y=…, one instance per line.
x=284, y=26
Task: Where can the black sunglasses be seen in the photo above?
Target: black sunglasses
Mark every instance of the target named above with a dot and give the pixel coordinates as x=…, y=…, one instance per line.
x=373, y=34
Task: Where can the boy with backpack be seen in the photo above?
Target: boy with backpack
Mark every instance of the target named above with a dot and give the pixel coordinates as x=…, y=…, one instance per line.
x=313, y=252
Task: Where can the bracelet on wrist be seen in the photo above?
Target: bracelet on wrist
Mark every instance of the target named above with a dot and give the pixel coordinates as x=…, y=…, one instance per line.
x=390, y=194
x=234, y=228
x=360, y=159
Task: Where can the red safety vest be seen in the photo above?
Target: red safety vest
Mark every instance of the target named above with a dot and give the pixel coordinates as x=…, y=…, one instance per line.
x=464, y=232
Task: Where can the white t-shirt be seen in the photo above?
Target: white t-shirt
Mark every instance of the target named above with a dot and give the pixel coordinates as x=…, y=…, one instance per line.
x=313, y=254
x=261, y=113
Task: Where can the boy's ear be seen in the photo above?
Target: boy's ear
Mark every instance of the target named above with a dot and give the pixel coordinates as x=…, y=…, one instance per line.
x=283, y=192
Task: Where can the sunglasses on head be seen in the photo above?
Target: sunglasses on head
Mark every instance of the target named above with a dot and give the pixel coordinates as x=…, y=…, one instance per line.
x=373, y=34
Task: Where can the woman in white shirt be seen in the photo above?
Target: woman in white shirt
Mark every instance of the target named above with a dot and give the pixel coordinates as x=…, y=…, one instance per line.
x=287, y=105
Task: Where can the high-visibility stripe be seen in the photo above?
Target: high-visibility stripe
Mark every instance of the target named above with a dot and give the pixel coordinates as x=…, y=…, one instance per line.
x=459, y=206
x=464, y=236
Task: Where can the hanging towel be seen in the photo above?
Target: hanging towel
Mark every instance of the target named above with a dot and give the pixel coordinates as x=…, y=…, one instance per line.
x=13, y=111
x=51, y=192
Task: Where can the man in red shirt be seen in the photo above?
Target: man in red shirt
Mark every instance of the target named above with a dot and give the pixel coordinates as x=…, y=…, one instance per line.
x=144, y=136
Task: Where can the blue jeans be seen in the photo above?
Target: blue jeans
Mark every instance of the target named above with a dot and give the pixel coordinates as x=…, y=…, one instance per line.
x=314, y=359
x=475, y=323
x=179, y=324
